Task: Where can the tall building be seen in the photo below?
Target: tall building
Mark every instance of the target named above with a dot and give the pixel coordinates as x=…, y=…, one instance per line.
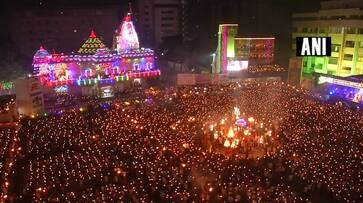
x=159, y=19
x=342, y=20
x=192, y=19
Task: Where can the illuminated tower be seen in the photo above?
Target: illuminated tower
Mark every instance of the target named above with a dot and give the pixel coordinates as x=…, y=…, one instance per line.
x=225, y=49
x=126, y=37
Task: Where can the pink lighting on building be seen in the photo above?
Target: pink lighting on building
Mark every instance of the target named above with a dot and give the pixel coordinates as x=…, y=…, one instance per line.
x=95, y=63
x=127, y=38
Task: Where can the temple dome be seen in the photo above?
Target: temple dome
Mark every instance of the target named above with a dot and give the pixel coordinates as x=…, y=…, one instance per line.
x=41, y=53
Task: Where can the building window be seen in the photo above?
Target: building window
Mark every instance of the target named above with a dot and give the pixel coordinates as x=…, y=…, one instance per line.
x=167, y=18
x=330, y=72
x=171, y=32
x=351, y=30
x=305, y=30
x=335, y=47
x=167, y=11
x=333, y=60
x=336, y=30
x=347, y=68
x=166, y=25
x=349, y=43
x=360, y=30
x=337, y=17
x=319, y=66
x=149, y=66
x=136, y=67
x=305, y=64
x=348, y=57
x=322, y=30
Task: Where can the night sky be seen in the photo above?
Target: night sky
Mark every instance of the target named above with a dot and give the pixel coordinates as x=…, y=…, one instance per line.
x=257, y=18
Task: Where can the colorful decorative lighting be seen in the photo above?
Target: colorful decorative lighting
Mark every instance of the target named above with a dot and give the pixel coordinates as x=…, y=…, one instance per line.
x=236, y=112
x=91, y=45
x=346, y=83
x=241, y=122
x=227, y=143
x=234, y=54
x=6, y=85
x=95, y=64
x=127, y=38
x=230, y=133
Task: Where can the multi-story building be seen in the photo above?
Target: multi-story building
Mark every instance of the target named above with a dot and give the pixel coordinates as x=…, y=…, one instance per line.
x=159, y=19
x=342, y=20
x=235, y=54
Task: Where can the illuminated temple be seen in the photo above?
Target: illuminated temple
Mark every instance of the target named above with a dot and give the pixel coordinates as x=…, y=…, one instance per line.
x=94, y=64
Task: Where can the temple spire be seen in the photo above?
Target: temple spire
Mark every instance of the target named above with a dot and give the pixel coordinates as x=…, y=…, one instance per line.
x=93, y=34
x=130, y=8
x=126, y=36
x=129, y=14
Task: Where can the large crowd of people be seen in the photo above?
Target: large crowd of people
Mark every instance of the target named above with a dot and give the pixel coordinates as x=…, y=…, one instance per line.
x=8, y=150
x=148, y=147
x=265, y=69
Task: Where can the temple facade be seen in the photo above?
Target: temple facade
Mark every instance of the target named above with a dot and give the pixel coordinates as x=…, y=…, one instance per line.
x=94, y=64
